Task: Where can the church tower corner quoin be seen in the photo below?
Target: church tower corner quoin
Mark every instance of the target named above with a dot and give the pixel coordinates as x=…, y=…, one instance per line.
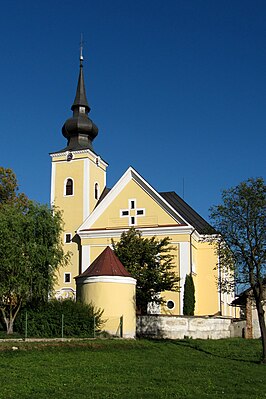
x=94, y=216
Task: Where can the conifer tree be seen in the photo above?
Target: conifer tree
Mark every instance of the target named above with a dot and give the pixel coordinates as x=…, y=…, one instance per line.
x=189, y=296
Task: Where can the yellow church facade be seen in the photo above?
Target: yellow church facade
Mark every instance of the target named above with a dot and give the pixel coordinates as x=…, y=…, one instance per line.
x=94, y=215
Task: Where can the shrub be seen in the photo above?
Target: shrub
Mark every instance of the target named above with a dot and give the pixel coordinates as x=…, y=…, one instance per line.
x=189, y=296
x=79, y=320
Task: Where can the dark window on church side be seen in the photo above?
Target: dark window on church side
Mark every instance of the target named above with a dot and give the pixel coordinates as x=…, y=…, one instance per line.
x=69, y=187
x=67, y=277
x=68, y=238
x=125, y=213
x=132, y=220
x=132, y=205
x=140, y=212
x=96, y=191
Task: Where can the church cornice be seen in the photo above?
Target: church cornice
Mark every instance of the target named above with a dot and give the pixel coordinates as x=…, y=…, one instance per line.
x=106, y=279
x=77, y=152
x=146, y=231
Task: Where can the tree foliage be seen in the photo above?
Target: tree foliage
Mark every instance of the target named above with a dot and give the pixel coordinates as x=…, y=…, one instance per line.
x=150, y=262
x=9, y=189
x=30, y=250
x=241, y=222
x=189, y=296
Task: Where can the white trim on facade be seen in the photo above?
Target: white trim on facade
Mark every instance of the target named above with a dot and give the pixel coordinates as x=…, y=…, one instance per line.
x=52, y=198
x=149, y=231
x=106, y=279
x=129, y=175
x=87, y=151
x=65, y=292
x=104, y=182
x=86, y=188
x=85, y=263
x=184, y=256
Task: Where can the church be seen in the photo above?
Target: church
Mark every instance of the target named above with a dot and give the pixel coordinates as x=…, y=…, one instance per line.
x=94, y=214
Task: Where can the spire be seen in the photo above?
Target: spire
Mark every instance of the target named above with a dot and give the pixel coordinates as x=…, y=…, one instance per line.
x=81, y=99
x=79, y=130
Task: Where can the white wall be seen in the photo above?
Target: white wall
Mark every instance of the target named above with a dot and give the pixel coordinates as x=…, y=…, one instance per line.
x=176, y=327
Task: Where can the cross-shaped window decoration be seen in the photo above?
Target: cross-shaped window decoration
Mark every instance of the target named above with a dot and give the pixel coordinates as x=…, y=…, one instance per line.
x=132, y=212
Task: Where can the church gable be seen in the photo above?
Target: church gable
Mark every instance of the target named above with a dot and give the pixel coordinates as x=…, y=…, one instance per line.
x=132, y=202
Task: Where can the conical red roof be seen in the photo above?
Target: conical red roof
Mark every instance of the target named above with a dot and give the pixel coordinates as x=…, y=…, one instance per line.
x=107, y=264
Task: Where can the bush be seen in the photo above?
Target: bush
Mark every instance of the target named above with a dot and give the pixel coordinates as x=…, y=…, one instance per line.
x=189, y=296
x=79, y=320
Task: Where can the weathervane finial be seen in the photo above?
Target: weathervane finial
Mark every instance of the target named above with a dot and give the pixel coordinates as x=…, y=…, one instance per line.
x=81, y=49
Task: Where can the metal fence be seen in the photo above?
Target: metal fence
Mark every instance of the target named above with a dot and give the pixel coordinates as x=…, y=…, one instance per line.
x=113, y=327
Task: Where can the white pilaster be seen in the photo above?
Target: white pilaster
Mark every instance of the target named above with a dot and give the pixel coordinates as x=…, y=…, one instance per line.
x=85, y=257
x=86, y=189
x=53, y=183
x=184, y=251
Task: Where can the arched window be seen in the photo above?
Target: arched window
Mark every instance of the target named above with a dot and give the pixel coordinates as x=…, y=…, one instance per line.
x=96, y=191
x=69, y=187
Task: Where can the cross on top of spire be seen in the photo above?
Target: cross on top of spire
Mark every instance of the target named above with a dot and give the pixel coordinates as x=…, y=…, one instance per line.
x=79, y=130
x=81, y=49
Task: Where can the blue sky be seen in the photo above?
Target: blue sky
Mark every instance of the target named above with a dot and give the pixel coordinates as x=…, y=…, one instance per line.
x=177, y=89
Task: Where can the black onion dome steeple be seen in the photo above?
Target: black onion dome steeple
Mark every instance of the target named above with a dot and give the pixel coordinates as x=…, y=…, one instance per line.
x=79, y=130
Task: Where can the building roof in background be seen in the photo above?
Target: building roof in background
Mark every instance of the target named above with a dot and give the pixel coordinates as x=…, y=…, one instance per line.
x=191, y=216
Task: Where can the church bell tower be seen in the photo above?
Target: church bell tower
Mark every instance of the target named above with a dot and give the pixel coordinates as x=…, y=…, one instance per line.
x=77, y=182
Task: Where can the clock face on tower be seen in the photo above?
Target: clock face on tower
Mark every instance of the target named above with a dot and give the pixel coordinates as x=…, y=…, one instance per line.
x=69, y=156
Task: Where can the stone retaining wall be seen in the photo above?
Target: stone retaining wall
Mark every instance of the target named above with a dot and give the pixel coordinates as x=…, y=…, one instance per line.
x=179, y=327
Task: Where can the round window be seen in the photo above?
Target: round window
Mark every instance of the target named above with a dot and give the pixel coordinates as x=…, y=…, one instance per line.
x=170, y=304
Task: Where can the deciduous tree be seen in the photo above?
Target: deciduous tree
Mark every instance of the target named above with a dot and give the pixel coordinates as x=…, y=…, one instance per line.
x=30, y=250
x=150, y=262
x=9, y=189
x=241, y=222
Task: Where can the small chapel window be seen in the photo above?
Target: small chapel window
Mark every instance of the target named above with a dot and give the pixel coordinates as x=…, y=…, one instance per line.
x=170, y=304
x=69, y=187
x=132, y=204
x=68, y=238
x=67, y=277
x=96, y=191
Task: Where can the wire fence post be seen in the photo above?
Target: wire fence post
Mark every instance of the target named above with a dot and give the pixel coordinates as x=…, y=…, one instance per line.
x=121, y=326
x=26, y=325
x=62, y=326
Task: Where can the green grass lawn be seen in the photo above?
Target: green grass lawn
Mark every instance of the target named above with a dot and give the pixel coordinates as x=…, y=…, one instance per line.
x=132, y=369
